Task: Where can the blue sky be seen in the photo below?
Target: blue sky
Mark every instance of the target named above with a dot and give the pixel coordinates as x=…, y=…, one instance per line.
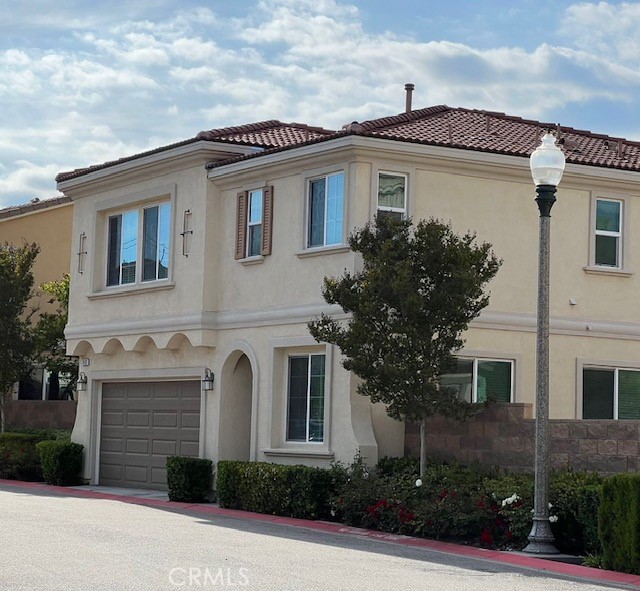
x=82, y=83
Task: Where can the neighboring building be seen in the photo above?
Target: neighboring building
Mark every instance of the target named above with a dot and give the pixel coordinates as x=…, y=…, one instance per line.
x=46, y=222
x=210, y=254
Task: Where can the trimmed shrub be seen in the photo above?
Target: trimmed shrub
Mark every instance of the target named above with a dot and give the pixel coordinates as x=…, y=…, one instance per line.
x=588, y=501
x=61, y=461
x=276, y=489
x=575, y=502
x=388, y=466
x=619, y=523
x=189, y=479
x=19, y=458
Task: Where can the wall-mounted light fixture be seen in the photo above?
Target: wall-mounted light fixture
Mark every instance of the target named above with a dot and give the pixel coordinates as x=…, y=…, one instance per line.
x=207, y=380
x=81, y=384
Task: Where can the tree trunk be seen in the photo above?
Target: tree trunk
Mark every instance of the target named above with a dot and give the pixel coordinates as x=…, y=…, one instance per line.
x=2, y=412
x=423, y=446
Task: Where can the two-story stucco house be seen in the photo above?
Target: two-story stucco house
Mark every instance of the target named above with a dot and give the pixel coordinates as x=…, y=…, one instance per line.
x=207, y=256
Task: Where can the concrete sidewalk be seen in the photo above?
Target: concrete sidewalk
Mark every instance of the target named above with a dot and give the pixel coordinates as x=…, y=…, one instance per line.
x=160, y=499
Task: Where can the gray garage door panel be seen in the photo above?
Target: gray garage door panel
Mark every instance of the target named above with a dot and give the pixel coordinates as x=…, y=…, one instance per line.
x=142, y=424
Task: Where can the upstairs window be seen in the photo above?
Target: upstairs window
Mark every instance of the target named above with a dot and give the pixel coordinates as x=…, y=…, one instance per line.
x=326, y=204
x=392, y=194
x=611, y=393
x=254, y=219
x=305, y=400
x=476, y=380
x=608, y=233
x=139, y=245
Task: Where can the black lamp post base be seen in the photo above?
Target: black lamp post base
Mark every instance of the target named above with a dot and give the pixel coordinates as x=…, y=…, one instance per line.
x=541, y=538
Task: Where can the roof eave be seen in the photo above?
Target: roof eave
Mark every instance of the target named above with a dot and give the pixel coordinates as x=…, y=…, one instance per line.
x=208, y=149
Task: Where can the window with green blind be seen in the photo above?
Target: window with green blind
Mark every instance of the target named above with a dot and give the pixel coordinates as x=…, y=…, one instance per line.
x=610, y=393
x=392, y=198
x=475, y=380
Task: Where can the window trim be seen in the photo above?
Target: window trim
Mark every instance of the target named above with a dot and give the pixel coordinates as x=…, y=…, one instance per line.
x=592, y=267
x=403, y=211
x=243, y=206
x=582, y=364
x=140, y=210
x=307, y=356
x=281, y=348
x=113, y=206
x=474, y=376
x=308, y=179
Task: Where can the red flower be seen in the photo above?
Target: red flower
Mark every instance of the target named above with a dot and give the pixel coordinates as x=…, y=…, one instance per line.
x=443, y=494
x=480, y=504
x=486, y=538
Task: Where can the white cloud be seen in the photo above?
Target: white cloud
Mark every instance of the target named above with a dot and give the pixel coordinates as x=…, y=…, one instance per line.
x=605, y=29
x=143, y=74
x=29, y=179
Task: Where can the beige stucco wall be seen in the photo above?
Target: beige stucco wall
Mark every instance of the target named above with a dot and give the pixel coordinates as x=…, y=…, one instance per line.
x=50, y=228
x=222, y=307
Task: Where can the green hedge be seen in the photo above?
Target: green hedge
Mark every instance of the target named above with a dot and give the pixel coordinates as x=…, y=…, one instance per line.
x=619, y=523
x=61, y=462
x=452, y=502
x=290, y=491
x=189, y=479
x=19, y=458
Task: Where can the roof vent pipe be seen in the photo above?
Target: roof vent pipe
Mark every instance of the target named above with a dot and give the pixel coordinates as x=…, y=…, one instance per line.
x=409, y=88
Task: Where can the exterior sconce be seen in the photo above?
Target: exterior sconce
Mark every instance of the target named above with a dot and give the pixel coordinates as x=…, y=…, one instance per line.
x=81, y=384
x=207, y=380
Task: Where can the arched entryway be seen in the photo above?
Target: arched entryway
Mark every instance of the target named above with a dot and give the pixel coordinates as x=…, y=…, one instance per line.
x=236, y=402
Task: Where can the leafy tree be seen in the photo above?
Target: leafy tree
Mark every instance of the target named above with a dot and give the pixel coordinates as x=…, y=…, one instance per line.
x=49, y=336
x=16, y=340
x=415, y=295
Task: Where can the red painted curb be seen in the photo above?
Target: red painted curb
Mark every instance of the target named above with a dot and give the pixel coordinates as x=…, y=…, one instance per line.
x=510, y=558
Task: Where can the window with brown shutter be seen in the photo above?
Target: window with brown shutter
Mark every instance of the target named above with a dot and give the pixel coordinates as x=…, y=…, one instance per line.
x=254, y=221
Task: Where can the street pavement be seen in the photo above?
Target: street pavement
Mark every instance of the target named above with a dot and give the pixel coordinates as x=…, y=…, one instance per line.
x=50, y=540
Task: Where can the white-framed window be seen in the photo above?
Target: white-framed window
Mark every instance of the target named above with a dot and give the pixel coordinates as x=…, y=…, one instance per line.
x=254, y=219
x=306, y=398
x=139, y=245
x=476, y=379
x=608, y=233
x=254, y=223
x=325, y=210
x=392, y=194
x=610, y=393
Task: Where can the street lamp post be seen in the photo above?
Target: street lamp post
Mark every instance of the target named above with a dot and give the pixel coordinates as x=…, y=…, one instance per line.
x=547, y=165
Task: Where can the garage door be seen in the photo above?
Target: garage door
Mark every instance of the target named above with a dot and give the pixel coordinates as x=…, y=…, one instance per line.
x=142, y=424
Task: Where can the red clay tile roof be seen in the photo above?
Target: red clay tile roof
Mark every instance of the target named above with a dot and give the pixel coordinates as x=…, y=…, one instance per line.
x=269, y=134
x=487, y=131
x=467, y=129
x=33, y=205
x=264, y=134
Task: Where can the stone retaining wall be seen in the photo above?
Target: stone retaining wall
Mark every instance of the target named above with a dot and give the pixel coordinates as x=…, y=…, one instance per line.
x=503, y=435
x=58, y=414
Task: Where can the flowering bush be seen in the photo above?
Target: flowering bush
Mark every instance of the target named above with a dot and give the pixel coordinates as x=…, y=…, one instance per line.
x=447, y=501
x=390, y=515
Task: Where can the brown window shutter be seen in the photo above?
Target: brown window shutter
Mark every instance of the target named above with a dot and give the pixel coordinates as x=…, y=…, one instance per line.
x=267, y=220
x=241, y=225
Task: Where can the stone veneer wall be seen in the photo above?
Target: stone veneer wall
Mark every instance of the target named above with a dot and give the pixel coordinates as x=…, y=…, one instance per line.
x=503, y=435
x=58, y=414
